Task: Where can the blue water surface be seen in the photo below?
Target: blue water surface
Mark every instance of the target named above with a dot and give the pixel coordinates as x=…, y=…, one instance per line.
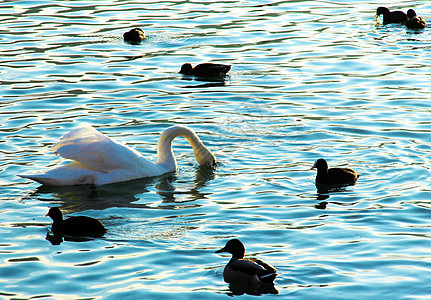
x=309, y=79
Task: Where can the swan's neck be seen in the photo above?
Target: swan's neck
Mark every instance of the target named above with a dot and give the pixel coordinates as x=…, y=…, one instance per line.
x=165, y=155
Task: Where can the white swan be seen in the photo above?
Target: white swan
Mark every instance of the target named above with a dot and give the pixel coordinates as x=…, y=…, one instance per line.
x=99, y=160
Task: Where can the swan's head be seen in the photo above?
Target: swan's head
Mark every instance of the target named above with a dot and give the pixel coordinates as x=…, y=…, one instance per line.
x=205, y=157
x=203, y=154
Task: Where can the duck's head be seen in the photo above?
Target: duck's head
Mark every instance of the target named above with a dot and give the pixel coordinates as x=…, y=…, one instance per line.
x=134, y=36
x=186, y=69
x=382, y=11
x=234, y=247
x=411, y=13
x=55, y=214
x=320, y=164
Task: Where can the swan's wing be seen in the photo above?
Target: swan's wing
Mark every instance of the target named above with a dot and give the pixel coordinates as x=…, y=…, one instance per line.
x=95, y=150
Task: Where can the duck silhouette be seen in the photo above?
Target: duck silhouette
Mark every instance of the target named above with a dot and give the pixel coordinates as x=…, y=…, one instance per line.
x=333, y=176
x=75, y=226
x=240, y=269
x=134, y=36
x=414, y=21
x=391, y=17
x=205, y=70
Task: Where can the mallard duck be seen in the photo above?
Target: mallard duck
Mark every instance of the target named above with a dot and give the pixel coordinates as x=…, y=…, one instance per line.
x=414, y=21
x=391, y=17
x=97, y=159
x=76, y=226
x=333, y=176
x=205, y=70
x=240, y=269
x=134, y=36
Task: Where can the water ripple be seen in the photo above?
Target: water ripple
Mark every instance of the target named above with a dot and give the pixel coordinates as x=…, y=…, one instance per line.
x=308, y=80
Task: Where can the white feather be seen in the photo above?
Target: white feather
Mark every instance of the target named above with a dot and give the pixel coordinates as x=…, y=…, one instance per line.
x=97, y=159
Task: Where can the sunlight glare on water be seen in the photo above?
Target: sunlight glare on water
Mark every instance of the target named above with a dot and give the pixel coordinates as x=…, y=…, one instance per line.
x=309, y=79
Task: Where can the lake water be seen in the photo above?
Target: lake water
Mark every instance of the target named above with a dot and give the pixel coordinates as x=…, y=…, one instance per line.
x=309, y=79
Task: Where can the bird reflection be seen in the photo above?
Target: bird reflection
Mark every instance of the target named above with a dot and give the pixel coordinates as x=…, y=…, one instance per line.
x=86, y=197
x=58, y=238
x=167, y=190
x=321, y=205
x=326, y=189
x=208, y=81
x=125, y=194
x=256, y=289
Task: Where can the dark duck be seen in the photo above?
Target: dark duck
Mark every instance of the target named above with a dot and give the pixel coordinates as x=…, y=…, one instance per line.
x=333, y=176
x=74, y=226
x=391, y=17
x=205, y=70
x=247, y=270
x=134, y=36
x=414, y=21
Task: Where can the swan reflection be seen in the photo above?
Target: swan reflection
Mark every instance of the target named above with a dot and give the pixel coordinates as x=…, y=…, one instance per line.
x=132, y=194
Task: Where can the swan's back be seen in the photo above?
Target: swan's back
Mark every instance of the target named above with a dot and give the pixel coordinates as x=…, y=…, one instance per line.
x=96, y=151
x=96, y=159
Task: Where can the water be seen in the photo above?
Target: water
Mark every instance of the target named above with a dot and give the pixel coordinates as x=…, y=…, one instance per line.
x=310, y=79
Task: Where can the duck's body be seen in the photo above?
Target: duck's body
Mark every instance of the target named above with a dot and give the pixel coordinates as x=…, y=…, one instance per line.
x=333, y=176
x=99, y=160
x=134, y=36
x=77, y=226
x=240, y=269
x=414, y=21
x=205, y=70
x=391, y=17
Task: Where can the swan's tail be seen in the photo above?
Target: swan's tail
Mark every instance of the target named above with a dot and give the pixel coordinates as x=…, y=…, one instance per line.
x=71, y=174
x=41, y=178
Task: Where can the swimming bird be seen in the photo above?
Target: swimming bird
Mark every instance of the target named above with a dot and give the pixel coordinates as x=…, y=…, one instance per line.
x=391, y=17
x=414, y=21
x=134, y=36
x=78, y=226
x=240, y=269
x=333, y=176
x=97, y=159
x=205, y=70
